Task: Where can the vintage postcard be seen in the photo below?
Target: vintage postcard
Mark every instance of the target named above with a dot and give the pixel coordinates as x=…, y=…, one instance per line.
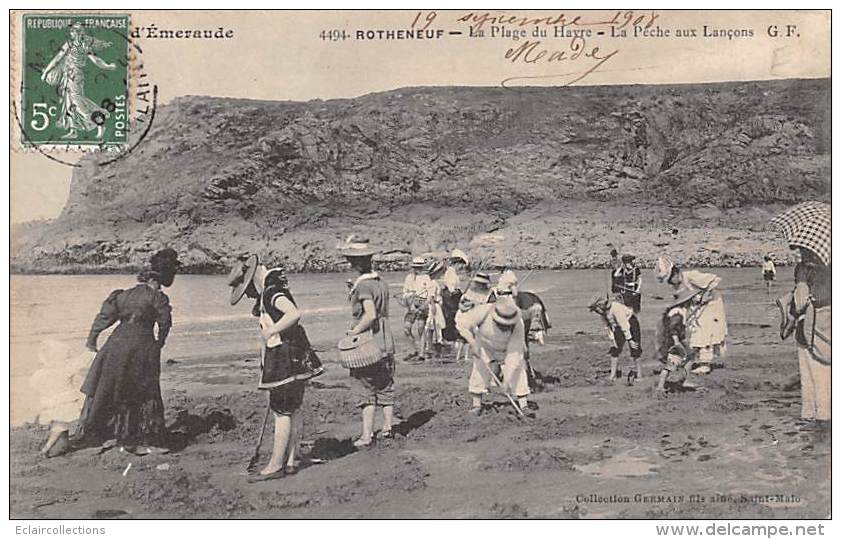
x=420, y=264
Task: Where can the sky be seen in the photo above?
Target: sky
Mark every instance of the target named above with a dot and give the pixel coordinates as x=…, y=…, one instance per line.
x=283, y=56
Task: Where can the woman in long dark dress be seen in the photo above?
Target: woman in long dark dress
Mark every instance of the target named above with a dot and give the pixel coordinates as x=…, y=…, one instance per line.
x=123, y=385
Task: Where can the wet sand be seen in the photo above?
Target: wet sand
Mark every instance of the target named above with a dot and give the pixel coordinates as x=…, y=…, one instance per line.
x=593, y=450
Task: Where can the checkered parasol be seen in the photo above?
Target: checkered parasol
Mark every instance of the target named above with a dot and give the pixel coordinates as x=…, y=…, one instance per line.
x=807, y=225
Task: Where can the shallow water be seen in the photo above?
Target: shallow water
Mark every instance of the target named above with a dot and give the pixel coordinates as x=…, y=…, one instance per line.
x=56, y=311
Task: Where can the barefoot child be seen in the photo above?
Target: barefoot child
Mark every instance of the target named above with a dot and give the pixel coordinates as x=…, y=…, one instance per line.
x=622, y=326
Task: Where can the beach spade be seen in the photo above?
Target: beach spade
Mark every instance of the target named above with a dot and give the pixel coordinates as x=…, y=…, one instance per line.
x=256, y=456
x=500, y=387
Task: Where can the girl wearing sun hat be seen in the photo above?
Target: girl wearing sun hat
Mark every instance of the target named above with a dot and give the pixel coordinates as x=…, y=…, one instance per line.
x=286, y=361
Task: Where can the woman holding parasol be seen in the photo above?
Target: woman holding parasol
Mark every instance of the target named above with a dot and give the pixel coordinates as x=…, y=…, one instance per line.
x=808, y=228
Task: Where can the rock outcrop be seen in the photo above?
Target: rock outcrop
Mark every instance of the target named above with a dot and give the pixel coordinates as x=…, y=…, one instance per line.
x=539, y=176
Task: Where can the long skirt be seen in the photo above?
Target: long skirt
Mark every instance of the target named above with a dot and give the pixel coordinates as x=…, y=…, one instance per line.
x=123, y=392
x=815, y=356
x=708, y=330
x=815, y=386
x=449, y=306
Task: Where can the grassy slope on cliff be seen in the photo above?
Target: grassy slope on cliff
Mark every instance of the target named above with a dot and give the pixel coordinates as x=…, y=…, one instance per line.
x=541, y=176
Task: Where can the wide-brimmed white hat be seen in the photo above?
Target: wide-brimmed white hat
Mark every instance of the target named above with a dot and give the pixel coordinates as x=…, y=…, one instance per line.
x=458, y=254
x=419, y=262
x=683, y=297
x=241, y=275
x=506, y=313
x=357, y=247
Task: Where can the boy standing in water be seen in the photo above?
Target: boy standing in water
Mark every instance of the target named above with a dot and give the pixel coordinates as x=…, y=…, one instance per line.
x=769, y=272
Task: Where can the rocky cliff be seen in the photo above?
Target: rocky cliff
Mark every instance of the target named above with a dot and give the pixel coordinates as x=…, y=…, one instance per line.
x=543, y=177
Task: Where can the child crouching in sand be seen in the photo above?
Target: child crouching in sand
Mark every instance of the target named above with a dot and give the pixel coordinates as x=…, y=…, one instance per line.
x=673, y=351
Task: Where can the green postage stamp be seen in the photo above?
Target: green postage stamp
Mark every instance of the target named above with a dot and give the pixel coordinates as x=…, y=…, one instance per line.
x=75, y=79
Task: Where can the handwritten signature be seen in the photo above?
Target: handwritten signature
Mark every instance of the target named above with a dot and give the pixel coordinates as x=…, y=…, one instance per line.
x=534, y=52
x=578, y=51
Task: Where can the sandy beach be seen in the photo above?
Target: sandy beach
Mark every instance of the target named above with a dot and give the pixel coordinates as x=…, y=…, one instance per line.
x=732, y=448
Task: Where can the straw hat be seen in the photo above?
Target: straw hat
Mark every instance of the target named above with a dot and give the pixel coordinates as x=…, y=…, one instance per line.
x=419, y=262
x=506, y=313
x=458, y=254
x=482, y=278
x=260, y=277
x=435, y=268
x=357, y=247
x=682, y=298
x=663, y=268
x=242, y=275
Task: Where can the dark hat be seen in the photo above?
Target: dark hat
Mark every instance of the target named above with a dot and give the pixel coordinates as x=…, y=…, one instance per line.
x=242, y=275
x=165, y=259
x=628, y=258
x=164, y=265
